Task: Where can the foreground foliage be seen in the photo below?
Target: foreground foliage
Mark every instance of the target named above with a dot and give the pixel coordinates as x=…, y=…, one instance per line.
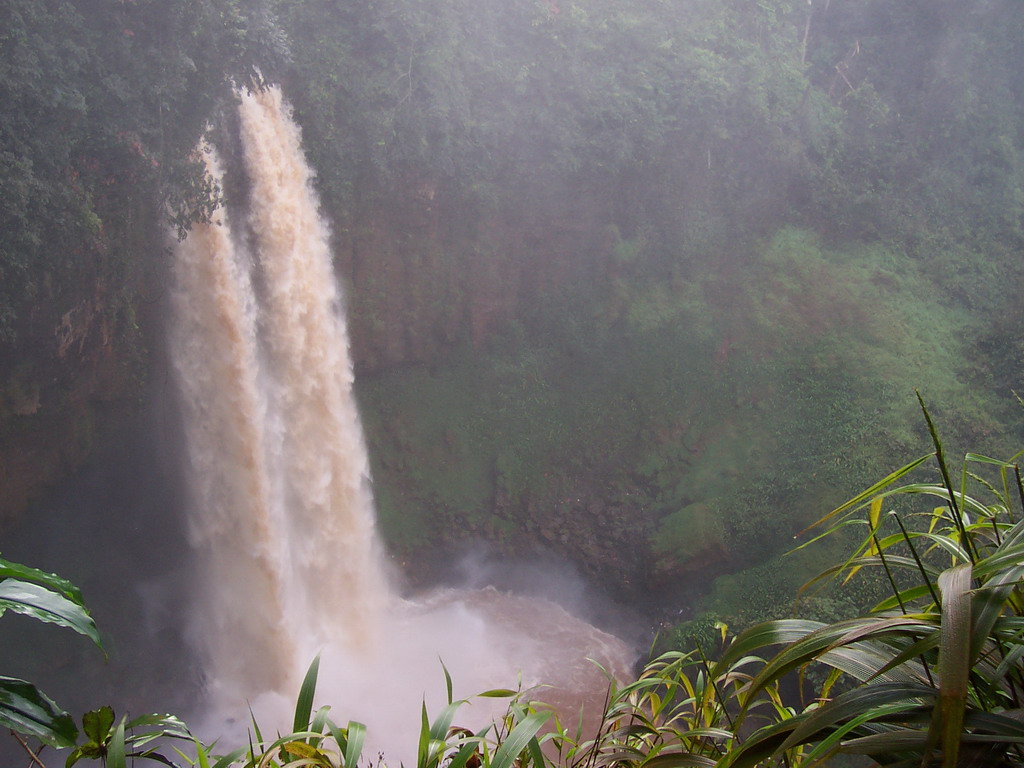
x=54, y=600
x=932, y=675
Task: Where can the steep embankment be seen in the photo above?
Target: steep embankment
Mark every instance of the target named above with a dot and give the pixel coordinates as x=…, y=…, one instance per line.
x=74, y=372
x=102, y=105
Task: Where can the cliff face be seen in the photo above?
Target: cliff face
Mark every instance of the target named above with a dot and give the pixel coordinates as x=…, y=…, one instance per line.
x=427, y=270
x=77, y=366
x=423, y=277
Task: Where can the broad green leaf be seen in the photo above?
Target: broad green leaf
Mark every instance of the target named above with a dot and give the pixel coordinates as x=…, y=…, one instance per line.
x=96, y=724
x=1008, y=555
x=468, y=750
x=855, y=703
x=268, y=751
x=1006, y=723
x=1009, y=665
x=875, y=515
x=89, y=751
x=536, y=753
x=903, y=740
x=917, y=649
x=706, y=733
x=988, y=604
x=831, y=743
x=26, y=710
x=301, y=749
x=908, y=596
x=320, y=719
x=841, y=645
x=760, y=746
x=761, y=636
x=678, y=760
x=46, y=605
x=914, y=740
x=340, y=736
x=443, y=721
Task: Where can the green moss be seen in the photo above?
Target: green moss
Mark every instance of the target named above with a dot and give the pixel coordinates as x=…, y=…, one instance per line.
x=690, y=532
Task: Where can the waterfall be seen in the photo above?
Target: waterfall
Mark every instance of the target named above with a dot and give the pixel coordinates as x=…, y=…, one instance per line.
x=318, y=457
x=283, y=517
x=282, y=522
x=237, y=524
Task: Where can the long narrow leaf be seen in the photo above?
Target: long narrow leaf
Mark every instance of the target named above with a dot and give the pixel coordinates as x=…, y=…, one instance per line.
x=854, y=703
x=954, y=658
x=860, y=498
x=304, y=703
x=518, y=739
x=44, y=604
x=761, y=636
x=116, y=751
x=51, y=581
x=678, y=760
x=356, y=740
x=443, y=721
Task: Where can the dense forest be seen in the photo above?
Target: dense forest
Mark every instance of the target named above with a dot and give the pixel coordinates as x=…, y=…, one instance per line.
x=646, y=286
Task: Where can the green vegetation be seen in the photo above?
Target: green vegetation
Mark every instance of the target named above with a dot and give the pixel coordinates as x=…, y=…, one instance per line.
x=48, y=598
x=646, y=283
x=708, y=421
x=103, y=103
x=666, y=259
x=931, y=675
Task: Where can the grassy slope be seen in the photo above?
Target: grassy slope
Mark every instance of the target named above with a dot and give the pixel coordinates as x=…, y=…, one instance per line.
x=714, y=415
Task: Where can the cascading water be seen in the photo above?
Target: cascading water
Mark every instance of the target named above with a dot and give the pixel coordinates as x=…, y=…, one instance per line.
x=283, y=525
x=237, y=527
x=319, y=452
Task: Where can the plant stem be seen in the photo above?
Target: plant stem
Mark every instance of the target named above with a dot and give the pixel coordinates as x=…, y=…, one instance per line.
x=1020, y=489
x=903, y=608
x=718, y=695
x=24, y=745
x=917, y=559
x=888, y=573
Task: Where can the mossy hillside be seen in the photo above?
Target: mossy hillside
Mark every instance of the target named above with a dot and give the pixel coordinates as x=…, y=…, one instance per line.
x=714, y=415
x=448, y=441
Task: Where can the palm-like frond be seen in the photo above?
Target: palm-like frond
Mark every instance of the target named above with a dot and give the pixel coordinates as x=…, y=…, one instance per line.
x=933, y=675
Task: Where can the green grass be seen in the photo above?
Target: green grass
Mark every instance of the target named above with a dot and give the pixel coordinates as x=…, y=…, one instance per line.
x=764, y=390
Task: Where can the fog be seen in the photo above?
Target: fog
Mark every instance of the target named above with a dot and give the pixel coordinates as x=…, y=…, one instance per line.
x=635, y=292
